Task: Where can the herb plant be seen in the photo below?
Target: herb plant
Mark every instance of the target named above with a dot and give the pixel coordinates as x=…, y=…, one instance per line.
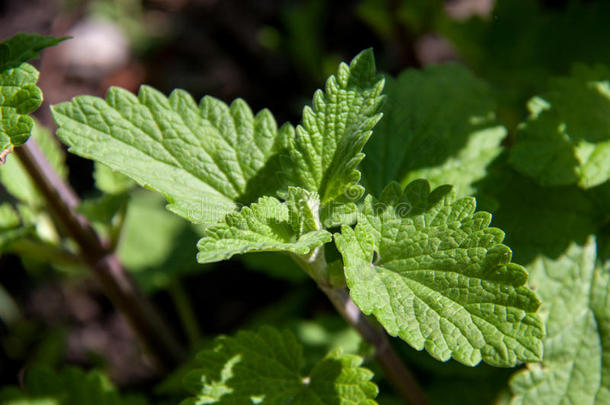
x=356, y=196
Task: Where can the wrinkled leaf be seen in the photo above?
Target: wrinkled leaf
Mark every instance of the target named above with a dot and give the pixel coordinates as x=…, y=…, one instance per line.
x=435, y=274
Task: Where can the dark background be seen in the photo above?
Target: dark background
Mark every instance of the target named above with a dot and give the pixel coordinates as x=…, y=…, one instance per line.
x=273, y=54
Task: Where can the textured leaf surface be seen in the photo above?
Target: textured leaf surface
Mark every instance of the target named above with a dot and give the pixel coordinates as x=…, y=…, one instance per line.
x=326, y=149
x=439, y=124
x=19, y=96
x=566, y=139
x=576, y=304
x=265, y=367
x=71, y=386
x=203, y=159
x=435, y=274
x=267, y=225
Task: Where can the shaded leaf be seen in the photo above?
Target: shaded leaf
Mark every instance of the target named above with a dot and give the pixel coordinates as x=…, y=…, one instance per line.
x=576, y=304
x=438, y=123
x=266, y=367
x=566, y=139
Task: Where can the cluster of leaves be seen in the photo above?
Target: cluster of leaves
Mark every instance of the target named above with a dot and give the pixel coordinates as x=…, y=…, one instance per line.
x=420, y=259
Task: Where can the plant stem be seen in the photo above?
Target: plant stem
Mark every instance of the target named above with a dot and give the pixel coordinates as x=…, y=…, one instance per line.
x=114, y=279
x=395, y=370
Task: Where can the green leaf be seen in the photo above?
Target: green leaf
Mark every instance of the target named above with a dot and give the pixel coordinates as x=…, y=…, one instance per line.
x=11, y=228
x=530, y=213
x=266, y=367
x=576, y=304
x=566, y=139
x=102, y=209
x=267, y=225
x=204, y=159
x=30, y=207
x=23, y=47
x=448, y=136
x=19, y=96
x=8, y=216
x=17, y=181
x=522, y=43
x=326, y=149
x=71, y=386
x=110, y=181
x=167, y=240
x=433, y=273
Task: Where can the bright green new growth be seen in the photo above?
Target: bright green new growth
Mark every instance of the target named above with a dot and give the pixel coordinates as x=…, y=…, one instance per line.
x=442, y=279
x=566, y=139
x=576, y=305
x=207, y=159
x=266, y=225
x=19, y=95
x=71, y=386
x=266, y=367
x=433, y=273
x=326, y=149
x=204, y=159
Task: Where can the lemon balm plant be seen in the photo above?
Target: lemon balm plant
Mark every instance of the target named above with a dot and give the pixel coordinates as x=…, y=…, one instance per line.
x=395, y=254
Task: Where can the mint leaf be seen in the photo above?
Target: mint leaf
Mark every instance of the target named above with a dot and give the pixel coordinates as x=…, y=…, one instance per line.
x=168, y=240
x=29, y=205
x=433, y=273
x=326, y=149
x=11, y=228
x=19, y=96
x=266, y=366
x=529, y=213
x=71, y=386
x=521, y=43
x=467, y=166
x=204, y=159
x=110, y=181
x=23, y=47
x=576, y=305
x=566, y=139
x=438, y=123
x=267, y=225
x=15, y=178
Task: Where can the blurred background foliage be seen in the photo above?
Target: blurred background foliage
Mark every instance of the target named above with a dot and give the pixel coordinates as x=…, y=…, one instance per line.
x=274, y=54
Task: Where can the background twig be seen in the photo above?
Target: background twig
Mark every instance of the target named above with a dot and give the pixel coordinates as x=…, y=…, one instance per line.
x=114, y=279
